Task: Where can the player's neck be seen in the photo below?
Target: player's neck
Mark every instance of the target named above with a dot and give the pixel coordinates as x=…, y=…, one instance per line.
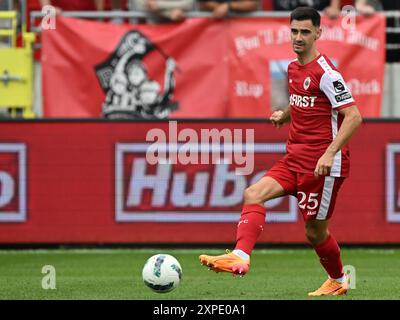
x=307, y=57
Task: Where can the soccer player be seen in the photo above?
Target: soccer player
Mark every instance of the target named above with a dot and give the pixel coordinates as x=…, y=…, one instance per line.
x=323, y=117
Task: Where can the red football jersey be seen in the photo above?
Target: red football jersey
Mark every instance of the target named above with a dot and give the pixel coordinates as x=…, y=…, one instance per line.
x=317, y=92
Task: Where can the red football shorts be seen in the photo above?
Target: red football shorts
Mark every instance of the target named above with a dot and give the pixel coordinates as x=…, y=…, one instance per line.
x=316, y=196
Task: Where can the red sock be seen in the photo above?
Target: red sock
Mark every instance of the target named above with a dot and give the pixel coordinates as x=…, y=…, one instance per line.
x=250, y=225
x=329, y=254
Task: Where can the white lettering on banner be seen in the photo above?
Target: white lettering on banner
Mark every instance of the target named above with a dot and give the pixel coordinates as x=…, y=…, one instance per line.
x=332, y=34
x=244, y=89
x=140, y=181
x=6, y=187
x=355, y=37
x=263, y=37
x=357, y=87
x=174, y=194
x=159, y=185
x=393, y=182
x=283, y=35
x=267, y=36
x=13, y=183
x=244, y=44
x=222, y=177
x=195, y=198
x=346, y=32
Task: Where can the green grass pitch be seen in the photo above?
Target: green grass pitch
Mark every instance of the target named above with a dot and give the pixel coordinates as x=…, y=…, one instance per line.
x=116, y=274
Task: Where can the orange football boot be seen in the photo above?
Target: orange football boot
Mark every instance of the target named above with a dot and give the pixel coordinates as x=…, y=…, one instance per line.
x=332, y=287
x=228, y=262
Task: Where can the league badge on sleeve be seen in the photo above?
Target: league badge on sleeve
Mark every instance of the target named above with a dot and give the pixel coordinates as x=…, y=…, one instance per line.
x=339, y=86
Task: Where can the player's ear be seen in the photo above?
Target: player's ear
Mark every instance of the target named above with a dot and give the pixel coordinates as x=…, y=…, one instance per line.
x=318, y=33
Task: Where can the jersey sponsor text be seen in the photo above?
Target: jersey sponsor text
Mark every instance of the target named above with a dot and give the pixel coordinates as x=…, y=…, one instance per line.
x=302, y=101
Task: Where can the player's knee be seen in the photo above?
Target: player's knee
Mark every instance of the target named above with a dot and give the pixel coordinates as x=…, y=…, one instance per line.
x=312, y=237
x=315, y=236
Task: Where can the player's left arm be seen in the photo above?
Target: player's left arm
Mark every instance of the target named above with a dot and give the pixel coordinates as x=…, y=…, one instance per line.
x=351, y=121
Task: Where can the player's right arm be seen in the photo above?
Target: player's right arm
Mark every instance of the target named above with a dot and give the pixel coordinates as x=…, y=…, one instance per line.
x=280, y=117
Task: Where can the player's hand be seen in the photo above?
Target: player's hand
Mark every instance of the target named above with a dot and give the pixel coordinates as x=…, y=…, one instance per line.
x=324, y=165
x=277, y=118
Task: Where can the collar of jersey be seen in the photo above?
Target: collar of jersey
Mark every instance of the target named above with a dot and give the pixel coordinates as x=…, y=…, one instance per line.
x=307, y=64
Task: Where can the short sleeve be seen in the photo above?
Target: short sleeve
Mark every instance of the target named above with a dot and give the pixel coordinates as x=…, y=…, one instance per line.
x=336, y=90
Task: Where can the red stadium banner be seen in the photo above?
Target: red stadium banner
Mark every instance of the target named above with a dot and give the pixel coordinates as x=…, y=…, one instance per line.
x=199, y=68
x=93, y=182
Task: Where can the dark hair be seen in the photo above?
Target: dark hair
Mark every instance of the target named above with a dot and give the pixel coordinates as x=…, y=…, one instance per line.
x=306, y=13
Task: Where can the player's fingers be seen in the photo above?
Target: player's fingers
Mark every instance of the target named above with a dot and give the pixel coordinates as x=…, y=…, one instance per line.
x=320, y=170
x=316, y=171
x=325, y=170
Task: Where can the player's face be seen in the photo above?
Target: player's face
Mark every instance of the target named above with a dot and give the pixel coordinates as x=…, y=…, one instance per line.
x=303, y=35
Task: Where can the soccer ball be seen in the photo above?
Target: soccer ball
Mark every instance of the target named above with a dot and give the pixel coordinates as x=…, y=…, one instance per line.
x=162, y=273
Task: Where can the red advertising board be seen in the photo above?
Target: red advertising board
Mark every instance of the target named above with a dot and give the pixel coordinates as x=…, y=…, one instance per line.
x=199, y=68
x=94, y=182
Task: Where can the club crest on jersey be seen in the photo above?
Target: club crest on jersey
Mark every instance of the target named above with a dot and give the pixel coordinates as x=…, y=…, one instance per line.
x=307, y=83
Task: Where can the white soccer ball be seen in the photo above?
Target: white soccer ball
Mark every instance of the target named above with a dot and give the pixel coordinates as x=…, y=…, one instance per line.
x=162, y=273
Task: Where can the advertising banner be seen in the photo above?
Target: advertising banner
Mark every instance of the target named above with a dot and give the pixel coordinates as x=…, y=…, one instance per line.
x=98, y=182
